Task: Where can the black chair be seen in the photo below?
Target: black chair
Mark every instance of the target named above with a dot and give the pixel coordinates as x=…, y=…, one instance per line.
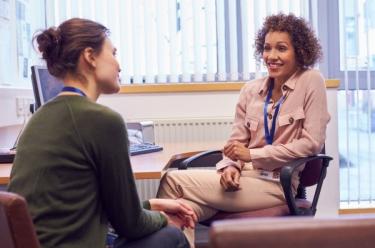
x=314, y=173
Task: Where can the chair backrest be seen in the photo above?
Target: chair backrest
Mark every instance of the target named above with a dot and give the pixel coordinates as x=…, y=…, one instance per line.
x=307, y=232
x=17, y=229
x=312, y=171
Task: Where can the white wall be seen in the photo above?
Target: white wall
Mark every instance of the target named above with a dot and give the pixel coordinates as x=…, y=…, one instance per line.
x=194, y=105
x=8, y=111
x=8, y=115
x=173, y=105
x=329, y=201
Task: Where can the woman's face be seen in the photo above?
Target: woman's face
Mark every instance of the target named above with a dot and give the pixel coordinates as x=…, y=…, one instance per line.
x=107, y=69
x=279, y=56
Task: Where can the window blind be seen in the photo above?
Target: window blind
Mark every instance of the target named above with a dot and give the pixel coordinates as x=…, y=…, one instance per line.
x=172, y=41
x=357, y=115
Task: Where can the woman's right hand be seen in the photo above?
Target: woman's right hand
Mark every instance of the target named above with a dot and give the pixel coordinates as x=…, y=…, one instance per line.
x=230, y=178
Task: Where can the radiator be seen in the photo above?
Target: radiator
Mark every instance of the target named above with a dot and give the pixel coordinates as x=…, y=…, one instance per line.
x=200, y=131
x=192, y=130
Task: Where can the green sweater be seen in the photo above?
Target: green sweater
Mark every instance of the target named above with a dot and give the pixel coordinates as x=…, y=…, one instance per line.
x=72, y=166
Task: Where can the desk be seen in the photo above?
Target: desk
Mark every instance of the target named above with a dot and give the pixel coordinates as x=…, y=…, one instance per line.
x=146, y=166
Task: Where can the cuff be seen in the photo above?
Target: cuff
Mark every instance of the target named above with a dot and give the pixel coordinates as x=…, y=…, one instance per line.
x=227, y=162
x=147, y=205
x=257, y=153
x=163, y=220
x=261, y=158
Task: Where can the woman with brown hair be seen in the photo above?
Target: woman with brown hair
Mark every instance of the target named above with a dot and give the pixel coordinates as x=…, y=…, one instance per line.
x=72, y=163
x=278, y=118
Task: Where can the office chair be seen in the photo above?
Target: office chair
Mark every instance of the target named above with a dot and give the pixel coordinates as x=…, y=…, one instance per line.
x=313, y=174
x=17, y=229
x=334, y=232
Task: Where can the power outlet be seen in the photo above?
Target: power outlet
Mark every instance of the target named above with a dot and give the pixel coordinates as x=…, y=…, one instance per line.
x=23, y=106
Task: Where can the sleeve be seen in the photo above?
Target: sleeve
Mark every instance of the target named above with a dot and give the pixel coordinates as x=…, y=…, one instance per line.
x=116, y=183
x=313, y=134
x=239, y=131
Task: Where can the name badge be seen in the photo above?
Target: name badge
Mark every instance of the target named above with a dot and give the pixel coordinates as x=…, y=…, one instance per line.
x=269, y=175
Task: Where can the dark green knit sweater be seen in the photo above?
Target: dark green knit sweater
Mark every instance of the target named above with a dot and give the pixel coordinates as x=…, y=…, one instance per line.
x=72, y=166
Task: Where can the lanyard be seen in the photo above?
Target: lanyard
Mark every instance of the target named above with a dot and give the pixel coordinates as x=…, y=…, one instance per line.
x=73, y=89
x=269, y=136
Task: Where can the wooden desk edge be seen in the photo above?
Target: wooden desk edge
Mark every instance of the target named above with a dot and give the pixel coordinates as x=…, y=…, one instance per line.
x=147, y=175
x=4, y=181
x=139, y=175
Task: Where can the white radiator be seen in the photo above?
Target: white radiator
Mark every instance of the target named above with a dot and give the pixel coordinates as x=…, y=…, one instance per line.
x=198, y=131
x=147, y=188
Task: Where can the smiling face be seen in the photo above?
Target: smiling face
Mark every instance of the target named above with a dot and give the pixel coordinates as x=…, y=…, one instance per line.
x=107, y=69
x=279, y=56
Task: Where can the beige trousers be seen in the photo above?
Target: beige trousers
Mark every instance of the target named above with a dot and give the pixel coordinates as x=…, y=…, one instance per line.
x=201, y=190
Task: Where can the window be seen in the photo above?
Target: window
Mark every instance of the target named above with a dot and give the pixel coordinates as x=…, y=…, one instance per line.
x=357, y=28
x=353, y=28
x=170, y=41
x=159, y=41
x=18, y=20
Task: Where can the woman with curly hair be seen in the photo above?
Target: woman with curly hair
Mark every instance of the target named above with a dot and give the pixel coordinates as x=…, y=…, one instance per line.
x=278, y=118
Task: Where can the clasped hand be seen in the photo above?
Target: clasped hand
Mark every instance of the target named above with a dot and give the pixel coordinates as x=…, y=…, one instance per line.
x=237, y=151
x=177, y=213
x=230, y=177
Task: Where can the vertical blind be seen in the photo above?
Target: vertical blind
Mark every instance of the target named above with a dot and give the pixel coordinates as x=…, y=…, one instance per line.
x=170, y=41
x=357, y=115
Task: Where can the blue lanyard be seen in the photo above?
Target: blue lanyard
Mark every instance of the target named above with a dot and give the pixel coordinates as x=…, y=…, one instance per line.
x=269, y=136
x=73, y=89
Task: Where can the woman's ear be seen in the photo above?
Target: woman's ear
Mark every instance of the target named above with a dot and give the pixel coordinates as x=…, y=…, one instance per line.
x=89, y=56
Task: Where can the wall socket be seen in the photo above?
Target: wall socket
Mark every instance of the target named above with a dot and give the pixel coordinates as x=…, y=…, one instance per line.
x=23, y=106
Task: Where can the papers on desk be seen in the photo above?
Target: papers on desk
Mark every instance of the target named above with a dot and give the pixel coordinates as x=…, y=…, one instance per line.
x=135, y=136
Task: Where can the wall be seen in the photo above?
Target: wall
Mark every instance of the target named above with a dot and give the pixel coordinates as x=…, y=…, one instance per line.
x=172, y=105
x=330, y=196
x=8, y=111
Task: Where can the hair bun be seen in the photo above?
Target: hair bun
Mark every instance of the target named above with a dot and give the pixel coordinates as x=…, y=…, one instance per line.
x=62, y=47
x=49, y=43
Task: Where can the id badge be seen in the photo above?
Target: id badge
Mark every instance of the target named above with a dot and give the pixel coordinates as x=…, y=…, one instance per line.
x=269, y=175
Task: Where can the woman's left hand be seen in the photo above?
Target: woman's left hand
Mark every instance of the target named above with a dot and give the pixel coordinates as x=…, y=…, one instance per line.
x=237, y=151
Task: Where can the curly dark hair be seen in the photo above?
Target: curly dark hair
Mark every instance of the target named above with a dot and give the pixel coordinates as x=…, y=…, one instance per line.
x=306, y=45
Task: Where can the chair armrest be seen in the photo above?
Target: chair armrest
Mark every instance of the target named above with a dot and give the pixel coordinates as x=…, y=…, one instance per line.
x=187, y=162
x=286, y=180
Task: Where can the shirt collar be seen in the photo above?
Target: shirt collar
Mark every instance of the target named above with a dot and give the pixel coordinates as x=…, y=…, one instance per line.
x=290, y=83
x=264, y=86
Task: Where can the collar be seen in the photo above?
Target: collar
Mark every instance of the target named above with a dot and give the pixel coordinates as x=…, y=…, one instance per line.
x=290, y=83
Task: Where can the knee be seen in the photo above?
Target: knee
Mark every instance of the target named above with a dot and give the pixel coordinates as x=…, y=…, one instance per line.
x=170, y=178
x=167, y=185
x=167, y=237
x=174, y=236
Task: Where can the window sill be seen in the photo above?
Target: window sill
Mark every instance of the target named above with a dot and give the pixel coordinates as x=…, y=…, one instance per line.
x=356, y=211
x=196, y=87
